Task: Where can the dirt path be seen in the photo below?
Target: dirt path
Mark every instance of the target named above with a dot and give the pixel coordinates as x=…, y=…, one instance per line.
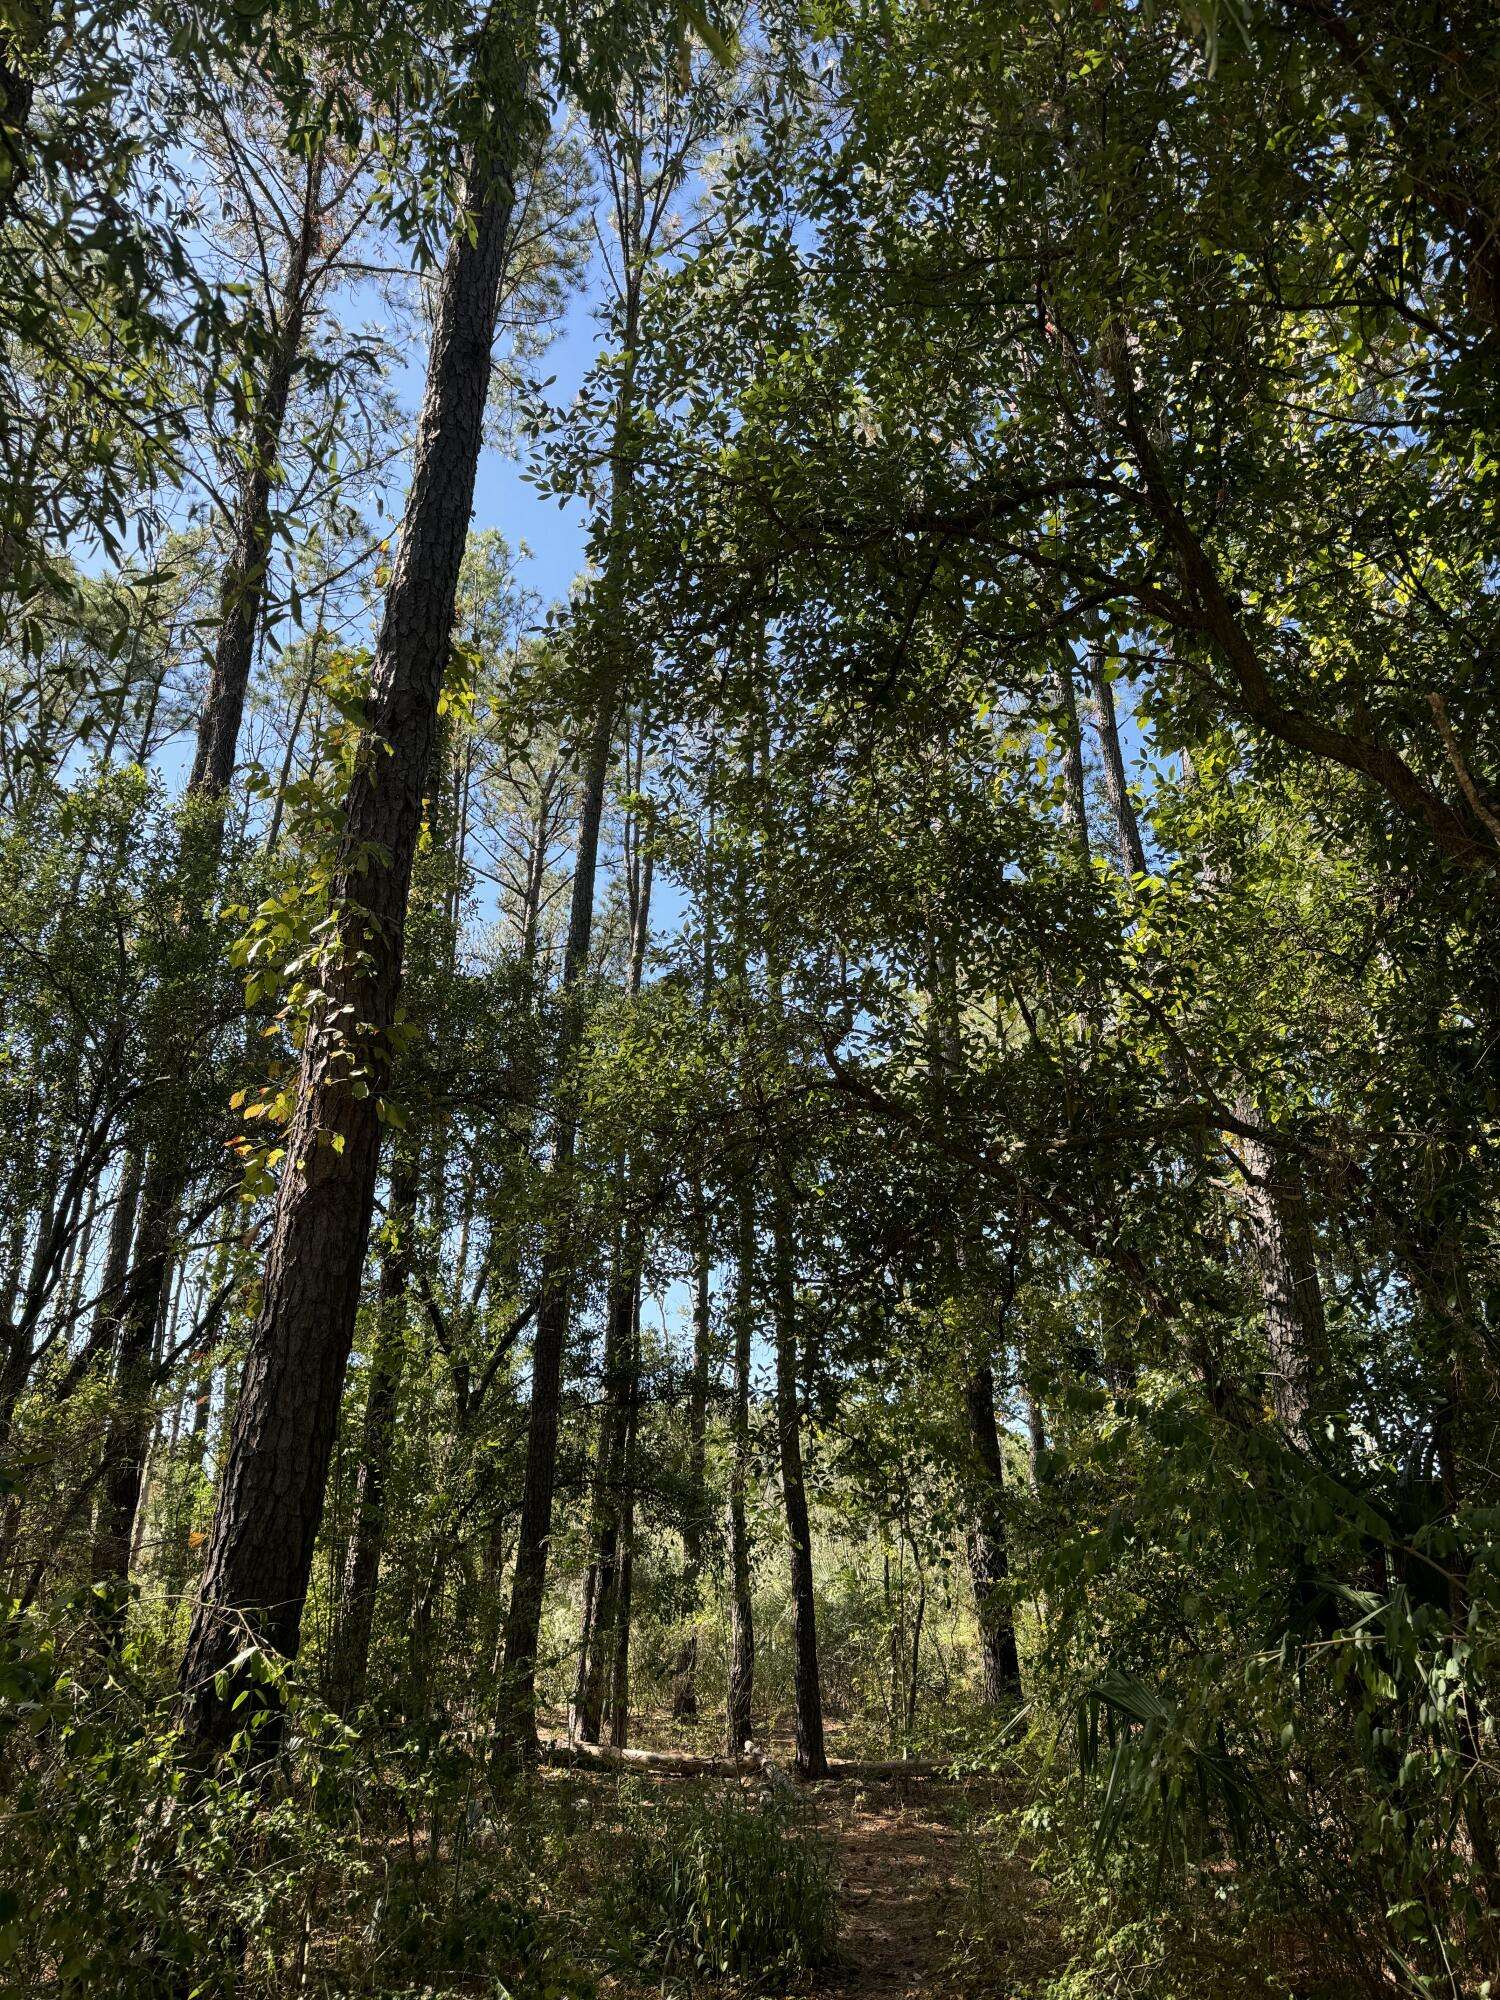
x=899, y=1858
x=903, y=1867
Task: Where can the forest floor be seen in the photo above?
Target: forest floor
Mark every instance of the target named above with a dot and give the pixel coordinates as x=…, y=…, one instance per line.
x=904, y=1873
x=910, y=1874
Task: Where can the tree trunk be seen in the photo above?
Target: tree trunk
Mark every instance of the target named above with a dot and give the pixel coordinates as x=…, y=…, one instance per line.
x=242, y=592
x=128, y=1435
x=1074, y=797
x=516, y=1722
x=684, y=1681
x=602, y=1588
x=812, y=1760
x=1291, y=1296
x=1127, y=830
x=989, y=1559
x=356, y=1611
x=619, y=1679
x=271, y=1495
x=742, y=1613
x=241, y=596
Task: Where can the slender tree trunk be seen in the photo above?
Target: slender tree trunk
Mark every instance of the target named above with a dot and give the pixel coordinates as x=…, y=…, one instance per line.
x=619, y=1679
x=684, y=1680
x=356, y=1610
x=989, y=1558
x=914, y=1654
x=601, y=1585
x=1036, y=1441
x=129, y=1432
x=812, y=1760
x=1075, y=801
x=271, y=1494
x=742, y=1611
x=1116, y=786
x=516, y=1730
x=241, y=596
x=1281, y=1237
x=242, y=592
x=294, y=728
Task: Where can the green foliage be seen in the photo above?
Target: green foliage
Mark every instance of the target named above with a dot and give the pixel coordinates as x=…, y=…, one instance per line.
x=719, y=1888
x=131, y=1872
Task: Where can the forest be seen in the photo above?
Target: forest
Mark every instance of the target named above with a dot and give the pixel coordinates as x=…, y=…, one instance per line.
x=750, y=999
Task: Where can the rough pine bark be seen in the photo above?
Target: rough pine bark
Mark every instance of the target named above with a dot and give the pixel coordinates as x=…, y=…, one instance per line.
x=271, y=1493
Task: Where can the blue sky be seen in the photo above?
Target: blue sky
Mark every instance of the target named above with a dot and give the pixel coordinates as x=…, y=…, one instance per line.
x=504, y=499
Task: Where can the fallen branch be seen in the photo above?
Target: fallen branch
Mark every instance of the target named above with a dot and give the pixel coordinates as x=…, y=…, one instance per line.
x=558, y=1751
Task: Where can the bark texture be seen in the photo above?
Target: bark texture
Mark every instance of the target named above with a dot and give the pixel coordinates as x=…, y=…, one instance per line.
x=1281, y=1238
x=271, y=1494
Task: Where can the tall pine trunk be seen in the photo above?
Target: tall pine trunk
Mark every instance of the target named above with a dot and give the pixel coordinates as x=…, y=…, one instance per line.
x=603, y=1590
x=271, y=1494
x=619, y=1677
x=516, y=1720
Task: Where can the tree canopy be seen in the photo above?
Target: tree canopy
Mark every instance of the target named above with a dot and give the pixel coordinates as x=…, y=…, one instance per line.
x=867, y=1138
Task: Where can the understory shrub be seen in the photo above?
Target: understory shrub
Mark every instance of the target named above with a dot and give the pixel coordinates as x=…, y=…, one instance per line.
x=720, y=1888
x=307, y=1862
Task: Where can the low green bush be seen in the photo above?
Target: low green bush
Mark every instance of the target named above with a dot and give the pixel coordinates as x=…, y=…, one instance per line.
x=720, y=1889
x=306, y=1862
